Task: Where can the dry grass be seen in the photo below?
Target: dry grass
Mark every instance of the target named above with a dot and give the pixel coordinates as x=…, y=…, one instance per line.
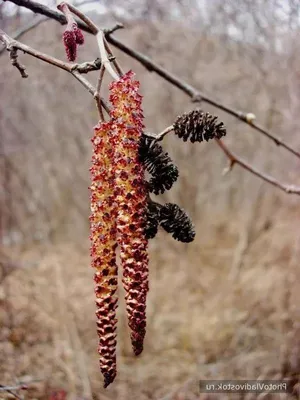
x=202, y=323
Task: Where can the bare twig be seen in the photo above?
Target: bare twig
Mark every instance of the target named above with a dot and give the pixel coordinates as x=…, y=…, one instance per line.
x=97, y=93
x=11, y=43
x=234, y=159
x=103, y=47
x=74, y=69
x=26, y=28
x=159, y=136
x=37, y=21
x=115, y=62
x=48, y=12
x=104, y=58
x=94, y=29
x=108, y=31
x=195, y=94
x=87, y=66
x=64, y=8
x=13, y=55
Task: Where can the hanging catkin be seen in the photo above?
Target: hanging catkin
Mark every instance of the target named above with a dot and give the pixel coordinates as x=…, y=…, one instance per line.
x=131, y=198
x=103, y=246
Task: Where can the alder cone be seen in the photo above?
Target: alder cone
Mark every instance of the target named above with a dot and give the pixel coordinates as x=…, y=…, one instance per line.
x=198, y=126
x=174, y=220
x=158, y=164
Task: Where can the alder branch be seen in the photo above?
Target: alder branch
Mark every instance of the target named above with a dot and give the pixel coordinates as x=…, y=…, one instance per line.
x=94, y=29
x=195, y=94
x=37, y=21
x=159, y=136
x=97, y=93
x=74, y=69
x=191, y=91
x=13, y=55
x=26, y=28
x=48, y=12
x=234, y=159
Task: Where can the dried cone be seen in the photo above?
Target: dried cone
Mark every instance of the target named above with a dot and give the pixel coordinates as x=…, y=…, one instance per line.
x=174, y=220
x=158, y=164
x=197, y=126
x=103, y=247
x=130, y=191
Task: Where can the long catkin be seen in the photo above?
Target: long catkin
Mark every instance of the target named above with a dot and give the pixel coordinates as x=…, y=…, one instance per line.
x=131, y=198
x=103, y=246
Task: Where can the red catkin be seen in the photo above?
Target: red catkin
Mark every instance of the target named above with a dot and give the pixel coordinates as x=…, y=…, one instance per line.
x=131, y=198
x=103, y=247
x=72, y=37
x=69, y=41
x=78, y=35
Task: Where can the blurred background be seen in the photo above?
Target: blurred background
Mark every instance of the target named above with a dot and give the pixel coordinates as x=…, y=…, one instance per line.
x=223, y=307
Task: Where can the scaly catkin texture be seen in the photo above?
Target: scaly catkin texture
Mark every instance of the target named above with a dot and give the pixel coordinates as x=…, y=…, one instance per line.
x=131, y=198
x=103, y=246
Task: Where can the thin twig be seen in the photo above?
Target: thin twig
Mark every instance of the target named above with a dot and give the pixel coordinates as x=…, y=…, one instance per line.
x=11, y=43
x=94, y=29
x=74, y=69
x=26, y=28
x=234, y=159
x=110, y=54
x=109, y=31
x=48, y=12
x=104, y=57
x=159, y=136
x=97, y=93
x=195, y=94
x=66, y=8
x=87, y=66
x=13, y=55
x=37, y=21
